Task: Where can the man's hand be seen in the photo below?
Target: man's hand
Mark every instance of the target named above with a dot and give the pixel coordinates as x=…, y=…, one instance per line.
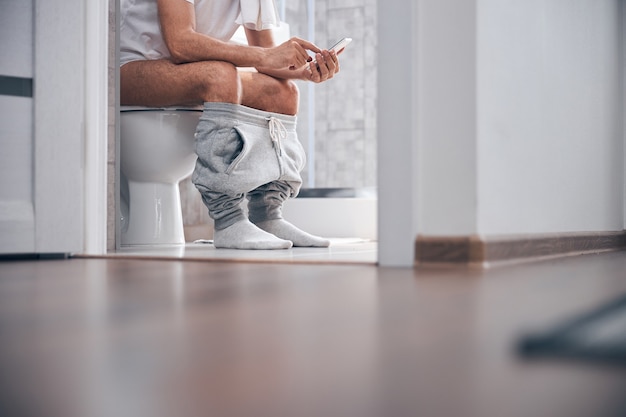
x=324, y=68
x=291, y=54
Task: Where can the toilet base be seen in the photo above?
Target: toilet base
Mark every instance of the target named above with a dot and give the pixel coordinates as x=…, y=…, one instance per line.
x=155, y=215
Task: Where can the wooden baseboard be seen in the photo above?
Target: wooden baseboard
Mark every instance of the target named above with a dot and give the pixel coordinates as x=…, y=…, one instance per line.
x=483, y=250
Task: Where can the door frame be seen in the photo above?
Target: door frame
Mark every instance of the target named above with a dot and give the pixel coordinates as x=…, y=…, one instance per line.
x=396, y=123
x=96, y=126
x=397, y=132
x=70, y=98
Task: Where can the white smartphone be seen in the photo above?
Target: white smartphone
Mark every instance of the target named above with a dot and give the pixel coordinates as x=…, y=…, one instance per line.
x=337, y=47
x=340, y=45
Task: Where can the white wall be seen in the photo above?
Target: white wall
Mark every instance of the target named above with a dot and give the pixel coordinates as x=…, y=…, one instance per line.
x=519, y=117
x=550, y=141
x=446, y=117
x=16, y=25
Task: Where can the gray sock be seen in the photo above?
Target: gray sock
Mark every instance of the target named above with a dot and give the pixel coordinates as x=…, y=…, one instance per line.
x=245, y=235
x=285, y=230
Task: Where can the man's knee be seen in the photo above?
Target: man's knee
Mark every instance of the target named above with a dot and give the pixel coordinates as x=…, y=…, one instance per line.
x=219, y=82
x=287, y=99
x=263, y=92
x=292, y=96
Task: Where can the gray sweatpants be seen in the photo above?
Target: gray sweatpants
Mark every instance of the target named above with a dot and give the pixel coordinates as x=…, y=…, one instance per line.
x=244, y=151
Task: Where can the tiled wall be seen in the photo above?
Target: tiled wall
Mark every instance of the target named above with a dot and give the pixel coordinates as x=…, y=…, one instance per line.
x=111, y=189
x=345, y=107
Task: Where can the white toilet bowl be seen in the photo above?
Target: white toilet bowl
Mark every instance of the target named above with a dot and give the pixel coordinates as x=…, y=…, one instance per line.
x=156, y=153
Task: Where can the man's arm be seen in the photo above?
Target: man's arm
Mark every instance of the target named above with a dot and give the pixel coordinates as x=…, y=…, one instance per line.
x=177, y=19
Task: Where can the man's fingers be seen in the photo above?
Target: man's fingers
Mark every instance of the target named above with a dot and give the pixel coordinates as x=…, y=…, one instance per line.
x=301, y=57
x=326, y=64
x=306, y=44
x=323, y=66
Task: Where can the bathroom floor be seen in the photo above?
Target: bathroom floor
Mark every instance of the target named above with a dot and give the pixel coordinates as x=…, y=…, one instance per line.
x=126, y=337
x=341, y=251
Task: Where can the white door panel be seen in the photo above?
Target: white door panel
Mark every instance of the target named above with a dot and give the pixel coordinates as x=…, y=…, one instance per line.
x=42, y=129
x=17, y=221
x=17, y=227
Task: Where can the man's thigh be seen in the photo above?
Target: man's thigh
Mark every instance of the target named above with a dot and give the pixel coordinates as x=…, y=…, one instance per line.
x=156, y=83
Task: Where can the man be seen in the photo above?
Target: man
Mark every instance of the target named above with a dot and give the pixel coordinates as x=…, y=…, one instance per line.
x=176, y=52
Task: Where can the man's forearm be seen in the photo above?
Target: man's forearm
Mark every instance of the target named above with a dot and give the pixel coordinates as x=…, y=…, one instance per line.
x=194, y=47
x=284, y=74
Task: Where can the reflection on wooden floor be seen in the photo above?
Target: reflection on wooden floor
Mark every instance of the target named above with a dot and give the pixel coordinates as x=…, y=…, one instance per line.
x=126, y=337
x=341, y=251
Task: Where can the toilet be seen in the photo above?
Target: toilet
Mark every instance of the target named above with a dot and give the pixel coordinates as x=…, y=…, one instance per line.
x=156, y=153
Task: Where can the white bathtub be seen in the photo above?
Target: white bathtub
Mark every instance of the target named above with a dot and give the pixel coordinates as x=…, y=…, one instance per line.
x=334, y=215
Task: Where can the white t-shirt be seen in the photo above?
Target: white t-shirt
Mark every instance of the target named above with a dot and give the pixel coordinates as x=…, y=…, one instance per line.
x=140, y=33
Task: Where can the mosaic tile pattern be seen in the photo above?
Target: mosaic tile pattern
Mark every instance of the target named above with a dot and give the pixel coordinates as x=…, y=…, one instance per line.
x=111, y=146
x=345, y=108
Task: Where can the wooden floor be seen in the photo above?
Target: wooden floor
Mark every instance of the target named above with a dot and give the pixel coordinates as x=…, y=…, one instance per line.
x=121, y=337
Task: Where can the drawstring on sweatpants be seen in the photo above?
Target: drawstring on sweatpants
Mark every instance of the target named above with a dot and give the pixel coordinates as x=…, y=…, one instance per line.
x=277, y=132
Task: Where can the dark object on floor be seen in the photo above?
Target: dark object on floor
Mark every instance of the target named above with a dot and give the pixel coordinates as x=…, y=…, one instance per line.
x=364, y=192
x=599, y=335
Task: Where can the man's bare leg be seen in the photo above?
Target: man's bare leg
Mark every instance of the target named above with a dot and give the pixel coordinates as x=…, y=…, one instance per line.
x=160, y=83
x=263, y=92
